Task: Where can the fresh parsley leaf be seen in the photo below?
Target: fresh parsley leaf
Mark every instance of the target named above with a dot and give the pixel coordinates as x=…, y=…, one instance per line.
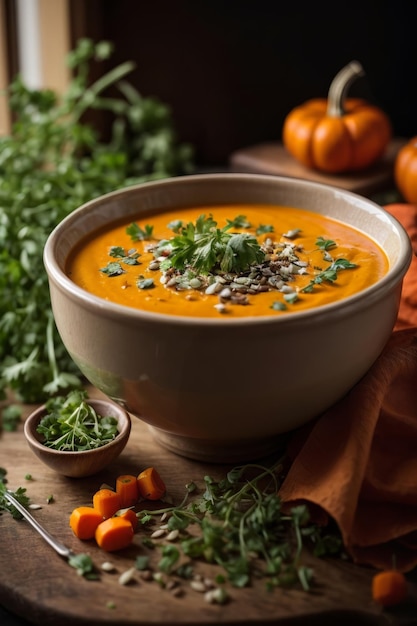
x=263, y=229
x=145, y=283
x=238, y=524
x=112, y=269
x=11, y=416
x=137, y=233
x=175, y=226
x=278, y=306
x=325, y=244
x=203, y=246
x=117, y=251
x=19, y=494
x=329, y=275
x=71, y=424
x=239, y=221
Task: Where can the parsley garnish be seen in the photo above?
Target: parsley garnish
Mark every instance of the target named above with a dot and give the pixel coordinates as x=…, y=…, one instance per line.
x=263, y=229
x=83, y=563
x=71, y=424
x=241, y=526
x=137, y=233
x=329, y=275
x=204, y=247
x=10, y=417
x=325, y=244
x=239, y=221
x=19, y=494
x=129, y=258
x=145, y=283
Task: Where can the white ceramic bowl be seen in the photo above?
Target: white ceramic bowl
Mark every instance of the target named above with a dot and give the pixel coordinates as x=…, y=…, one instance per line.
x=216, y=389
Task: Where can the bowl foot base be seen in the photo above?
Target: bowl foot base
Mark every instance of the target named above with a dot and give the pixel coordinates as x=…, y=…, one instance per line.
x=211, y=451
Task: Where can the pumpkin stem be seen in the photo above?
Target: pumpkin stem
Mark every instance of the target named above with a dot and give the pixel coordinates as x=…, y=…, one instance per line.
x=339, y=87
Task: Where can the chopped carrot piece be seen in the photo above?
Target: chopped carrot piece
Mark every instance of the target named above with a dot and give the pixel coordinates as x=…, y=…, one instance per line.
x=127, y=488
x=150, y=484
x=130, y=515
x=389, y=588
x=84, y=521
x=106, y=502
x=114, y=534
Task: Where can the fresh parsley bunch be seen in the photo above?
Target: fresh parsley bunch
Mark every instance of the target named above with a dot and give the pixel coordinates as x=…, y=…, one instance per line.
x=52, y=162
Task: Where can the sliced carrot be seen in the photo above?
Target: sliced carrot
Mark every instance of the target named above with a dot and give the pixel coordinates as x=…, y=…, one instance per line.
x=130, y=515
x=389, y=587
x=114, y=534
x=106, y=502
x=84, y=521
x=150, y=484
x=127, y=488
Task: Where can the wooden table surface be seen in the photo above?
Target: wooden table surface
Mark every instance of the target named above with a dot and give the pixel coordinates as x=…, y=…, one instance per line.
x=38, y=585
x=273, y=158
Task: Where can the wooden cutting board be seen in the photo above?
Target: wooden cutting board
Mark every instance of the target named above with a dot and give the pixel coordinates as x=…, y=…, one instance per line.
x=273, y=158
x=40, y=586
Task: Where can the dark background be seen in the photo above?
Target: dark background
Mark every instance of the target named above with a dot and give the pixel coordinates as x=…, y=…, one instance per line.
x=232, y=70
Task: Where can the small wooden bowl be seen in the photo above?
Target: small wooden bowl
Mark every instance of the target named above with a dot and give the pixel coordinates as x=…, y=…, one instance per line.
x=87, y=462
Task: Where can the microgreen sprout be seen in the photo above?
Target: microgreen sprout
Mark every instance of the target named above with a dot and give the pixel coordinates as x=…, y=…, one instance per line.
x=241, y=527
x=71, y=424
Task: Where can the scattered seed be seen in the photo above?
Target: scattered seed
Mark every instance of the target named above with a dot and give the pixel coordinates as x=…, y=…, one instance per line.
x=127, y=576
x=146, y=575
x=158, y=533
x=160, y=578
x=195, y=283
x=35, y=507
x=173, y=535
x=198, y=585
x=213, y=288
x=107, y=566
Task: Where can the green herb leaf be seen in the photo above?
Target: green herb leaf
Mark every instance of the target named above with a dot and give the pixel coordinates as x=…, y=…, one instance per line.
x=137, y=233
x=325, y=244
x=329, y=274
x=145, y=283
x=241, y=527
x=53, y=161
x=263, y=229
x=71, y=424
x=84, y=566
x=11, y=416
x=113, y=269
x=239, y=221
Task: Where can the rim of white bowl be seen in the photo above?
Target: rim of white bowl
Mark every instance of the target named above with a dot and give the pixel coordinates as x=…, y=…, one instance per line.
x=345, y=306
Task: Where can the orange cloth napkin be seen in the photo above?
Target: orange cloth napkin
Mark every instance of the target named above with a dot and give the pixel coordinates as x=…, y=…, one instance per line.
x=357, y=463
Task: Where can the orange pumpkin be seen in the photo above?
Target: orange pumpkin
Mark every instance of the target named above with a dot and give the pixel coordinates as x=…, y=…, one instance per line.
x=405, y=171
x=337, y=134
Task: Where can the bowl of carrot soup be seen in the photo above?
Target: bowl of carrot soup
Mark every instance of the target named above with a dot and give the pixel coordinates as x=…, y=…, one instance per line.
x=226, y=310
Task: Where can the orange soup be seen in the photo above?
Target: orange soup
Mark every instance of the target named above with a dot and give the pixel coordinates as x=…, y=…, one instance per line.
x=231, y=261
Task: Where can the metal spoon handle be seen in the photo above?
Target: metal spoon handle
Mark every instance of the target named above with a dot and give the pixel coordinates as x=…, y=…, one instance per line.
x=59, y=547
